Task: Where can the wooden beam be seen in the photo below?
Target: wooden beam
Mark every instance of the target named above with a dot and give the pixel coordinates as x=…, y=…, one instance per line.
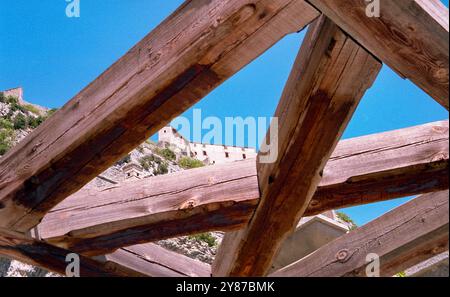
x=361, y=170
x=404, y=237
x=92, y=222
x=193, y=51
x=329, y=77
x=155, y=261
x=384, y=166
x=411, y=36
x=16, y=246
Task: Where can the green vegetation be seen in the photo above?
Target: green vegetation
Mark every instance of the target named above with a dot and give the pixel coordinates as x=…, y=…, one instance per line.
x=148, y=162
x=20, y=122
x=162, y=169
x=205, y=237
x=159, y=166
x=34, y=122
x=12, y=100
x=32, y=108
x=345, y=218
x=6, y=140
x=6, y=124
x=168, y=154
x=189, y=163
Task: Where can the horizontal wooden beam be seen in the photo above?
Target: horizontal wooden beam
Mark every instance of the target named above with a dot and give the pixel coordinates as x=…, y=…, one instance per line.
x=361, y=170
x=220, y=197
x=329, y=77
x=155, y=261
x=410, y=36
x=403, y=237
x=198, y=47
x=28, y=250
x=384, y=166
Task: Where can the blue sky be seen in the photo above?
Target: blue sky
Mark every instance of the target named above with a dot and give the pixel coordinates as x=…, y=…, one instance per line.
x=53, y=57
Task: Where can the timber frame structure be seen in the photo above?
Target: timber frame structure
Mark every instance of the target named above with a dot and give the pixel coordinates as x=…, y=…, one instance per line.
x=193, y=51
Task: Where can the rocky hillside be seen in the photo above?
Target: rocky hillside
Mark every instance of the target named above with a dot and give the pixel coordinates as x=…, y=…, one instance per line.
x=18, y=120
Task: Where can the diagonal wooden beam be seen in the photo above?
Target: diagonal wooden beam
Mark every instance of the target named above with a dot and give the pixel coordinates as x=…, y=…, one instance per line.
x=404, y=237
x=16, y=246
x=92, y=222
x=155, y=261
x=384, y=166
x=411, y=36
x=329, y=77
x=193, y=51
x=361, y=170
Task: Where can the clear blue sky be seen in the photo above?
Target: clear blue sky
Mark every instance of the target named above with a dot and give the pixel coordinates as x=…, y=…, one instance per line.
x=53, y=57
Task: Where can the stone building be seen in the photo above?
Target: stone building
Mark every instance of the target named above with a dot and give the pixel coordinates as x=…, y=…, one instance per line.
x=18, y=93
x=207, y=153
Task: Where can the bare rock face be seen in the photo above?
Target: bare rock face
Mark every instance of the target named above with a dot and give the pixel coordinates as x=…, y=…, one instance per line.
x=194, y=247
x=14, y=268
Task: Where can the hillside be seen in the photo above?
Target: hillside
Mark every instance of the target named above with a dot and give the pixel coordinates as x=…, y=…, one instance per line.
x=17, y=120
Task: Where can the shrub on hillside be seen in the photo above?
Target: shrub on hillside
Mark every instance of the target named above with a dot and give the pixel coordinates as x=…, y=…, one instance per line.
x=205, y=237
x=147, y=162
x=6, y=138
x=162, y=169
x=34, y=122
x=12, y=100
x=189, y=163
x=32, y=109
x=6, y=124
x=168, y=154
x=20, y=122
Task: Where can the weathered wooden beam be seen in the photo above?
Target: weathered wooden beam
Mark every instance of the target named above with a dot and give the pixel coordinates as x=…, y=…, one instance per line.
x=411, y=36
x=403, y=237
x=92, y=222
x=17, y=246
x=193, y=51
x=155, y=261
x=361, y=170
x=384, y=166
x=329, y=77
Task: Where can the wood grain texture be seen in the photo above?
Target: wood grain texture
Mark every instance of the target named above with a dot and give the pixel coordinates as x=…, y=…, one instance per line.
x=384, y=166
x=155, y=261
x=403, y=237
x=199, y=46
x=361, y=170
x=410, y=36
x=221, y=197
x=27, y=250
x=329, y=77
